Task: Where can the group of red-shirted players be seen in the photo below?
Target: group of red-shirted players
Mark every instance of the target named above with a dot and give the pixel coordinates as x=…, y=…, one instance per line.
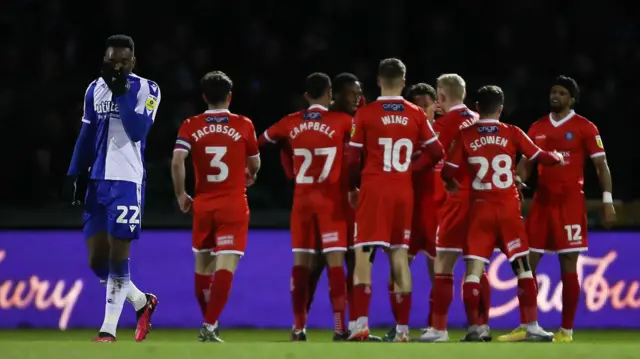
x=420, y=173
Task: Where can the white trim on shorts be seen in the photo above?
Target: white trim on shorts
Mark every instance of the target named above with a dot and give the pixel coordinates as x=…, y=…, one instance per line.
x=372, y=244
x=228, y=251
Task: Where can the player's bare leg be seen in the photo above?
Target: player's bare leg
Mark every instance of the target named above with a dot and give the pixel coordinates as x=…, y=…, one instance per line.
x=205, y=265
x=226, y=264
x=519, y=333
x=570, y=295
x=337, y=291
x=399, y=262
x=302, y=262
x=361, y=293
x=99, y=249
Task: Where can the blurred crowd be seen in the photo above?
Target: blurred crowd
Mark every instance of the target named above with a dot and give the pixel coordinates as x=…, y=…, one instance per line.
x=267, y=47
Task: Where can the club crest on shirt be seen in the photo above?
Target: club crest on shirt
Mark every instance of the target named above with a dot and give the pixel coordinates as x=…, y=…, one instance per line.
x=312, y=116
x=151, y=103
x=568, y=136
x=488, y=129
x=217, y=119
x=599, y=142
x=353, y=129
x=393, y=107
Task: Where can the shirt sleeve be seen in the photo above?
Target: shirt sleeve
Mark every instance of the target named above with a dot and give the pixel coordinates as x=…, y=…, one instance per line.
x=148, y=99
x=183, y=142
x=88, y=109
x=455, y=154
x=593, y=141
x=357, y=131
x=252, y=141
x=427, y=135
x=276, y=132
x=524, y=144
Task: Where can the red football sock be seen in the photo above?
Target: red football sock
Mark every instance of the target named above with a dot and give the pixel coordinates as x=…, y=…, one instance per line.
x=218, y=295
x=430, y=317
x=314, y=277
x=300, y=295
x=403, y=307
x=362, y=298
x=350, y=295
x=393, y=301
x=202, y=285
x=442, y=298
x=528, y=298
x=338, y=294
x=522, y=313
x=485, y=300
x=570, y=299
x=471, y=297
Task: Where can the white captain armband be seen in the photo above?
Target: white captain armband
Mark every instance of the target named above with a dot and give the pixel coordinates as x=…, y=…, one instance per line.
x=607, y=197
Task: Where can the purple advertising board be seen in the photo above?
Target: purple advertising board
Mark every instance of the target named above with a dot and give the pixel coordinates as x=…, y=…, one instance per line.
x=45, y=283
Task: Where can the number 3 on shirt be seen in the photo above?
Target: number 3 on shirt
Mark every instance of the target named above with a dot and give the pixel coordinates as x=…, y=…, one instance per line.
x=216, y=162
x=501, y=166
x=307, y=159
x=391, y=156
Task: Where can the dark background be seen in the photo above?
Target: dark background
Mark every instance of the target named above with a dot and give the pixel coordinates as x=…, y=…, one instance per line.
x=54, y=50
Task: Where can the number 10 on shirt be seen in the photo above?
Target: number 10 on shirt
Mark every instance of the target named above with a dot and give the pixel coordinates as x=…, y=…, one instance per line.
x=392, y=154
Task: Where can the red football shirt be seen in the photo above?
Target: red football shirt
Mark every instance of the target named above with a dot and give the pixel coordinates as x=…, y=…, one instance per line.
x=447, y=128
x=575, y=137
x=487, y=150
x=219, y=143
x=389, y=130
x=317, y=137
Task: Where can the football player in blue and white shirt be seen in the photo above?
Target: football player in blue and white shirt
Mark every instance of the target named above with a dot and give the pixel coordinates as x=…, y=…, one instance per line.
x=119, y=109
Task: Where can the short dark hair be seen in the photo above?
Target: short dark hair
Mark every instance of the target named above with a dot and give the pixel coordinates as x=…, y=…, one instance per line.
x=420, y=89
x=342, y=80
x=317, y=84
x=391, y=69
x=121, y=41
x=570, y=84
x=216, y=86
x=489, y=98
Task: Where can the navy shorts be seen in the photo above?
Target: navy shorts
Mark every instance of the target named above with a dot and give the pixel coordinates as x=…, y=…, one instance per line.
x=114, y=207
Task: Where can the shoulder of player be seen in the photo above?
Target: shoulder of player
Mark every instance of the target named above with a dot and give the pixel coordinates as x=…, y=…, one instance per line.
x=583, y=121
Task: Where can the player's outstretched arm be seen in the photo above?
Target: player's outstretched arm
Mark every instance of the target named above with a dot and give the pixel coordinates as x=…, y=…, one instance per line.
x=137, y=113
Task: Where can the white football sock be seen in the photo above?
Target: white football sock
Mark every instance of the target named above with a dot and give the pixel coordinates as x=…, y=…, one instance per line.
x=136, y=297
x=117, y=290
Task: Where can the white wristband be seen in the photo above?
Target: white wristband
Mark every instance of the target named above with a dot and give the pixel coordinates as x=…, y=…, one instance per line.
x=607, y=197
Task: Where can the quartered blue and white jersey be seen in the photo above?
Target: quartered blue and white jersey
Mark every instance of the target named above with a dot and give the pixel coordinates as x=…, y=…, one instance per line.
x=117, y=157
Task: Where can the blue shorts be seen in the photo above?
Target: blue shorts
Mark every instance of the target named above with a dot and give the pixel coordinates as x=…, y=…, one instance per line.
x=114, y=207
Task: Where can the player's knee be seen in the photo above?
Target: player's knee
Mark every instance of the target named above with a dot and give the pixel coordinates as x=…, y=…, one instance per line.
x=334, y=258
x=474, y=268
x=227, y=261
x=100, y=266
x=568, y=262
x=521, y=267
x=445, y=262
x=119, y=248
x=204, y=263
x=303, y=259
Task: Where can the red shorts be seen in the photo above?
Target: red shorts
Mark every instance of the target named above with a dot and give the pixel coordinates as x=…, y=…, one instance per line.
x=495, y=225
x=453, y=224
x=383, y=216
x=321, y=228
x=220, y=231
x=559, y=225
x=424, y=225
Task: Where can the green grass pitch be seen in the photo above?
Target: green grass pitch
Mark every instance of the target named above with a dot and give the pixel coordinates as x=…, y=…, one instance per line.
x=273, y=344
